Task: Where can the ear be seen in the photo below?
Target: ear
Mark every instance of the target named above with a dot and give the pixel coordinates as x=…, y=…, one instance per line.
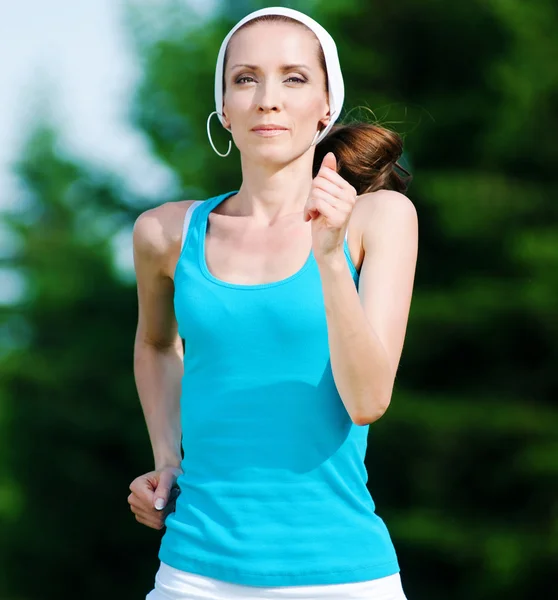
x=325, y=121
x=326, y=118
x=226, y=122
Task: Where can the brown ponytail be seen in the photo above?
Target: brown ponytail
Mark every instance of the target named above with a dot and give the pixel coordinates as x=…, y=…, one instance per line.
x=366, y=156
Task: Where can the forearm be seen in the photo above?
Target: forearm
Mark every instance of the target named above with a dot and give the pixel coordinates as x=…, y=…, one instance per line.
x=158, y=373
x=359, y=362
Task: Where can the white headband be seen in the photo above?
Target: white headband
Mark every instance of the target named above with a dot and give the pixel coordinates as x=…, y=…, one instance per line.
x=335, y=78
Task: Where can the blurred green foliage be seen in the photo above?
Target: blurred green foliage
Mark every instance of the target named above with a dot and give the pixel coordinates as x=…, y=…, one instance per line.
x=464, y=466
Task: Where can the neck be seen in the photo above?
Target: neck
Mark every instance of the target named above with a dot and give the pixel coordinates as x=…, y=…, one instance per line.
x=272, y=191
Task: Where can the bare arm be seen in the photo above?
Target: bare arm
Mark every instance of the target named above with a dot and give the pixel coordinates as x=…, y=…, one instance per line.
x=367, y=329
x=158, y=352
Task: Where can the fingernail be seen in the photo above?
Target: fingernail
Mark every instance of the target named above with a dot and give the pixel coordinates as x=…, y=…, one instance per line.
x=159, y=504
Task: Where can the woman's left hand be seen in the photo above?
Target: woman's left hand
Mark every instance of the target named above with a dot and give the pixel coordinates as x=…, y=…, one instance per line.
x=329, y=206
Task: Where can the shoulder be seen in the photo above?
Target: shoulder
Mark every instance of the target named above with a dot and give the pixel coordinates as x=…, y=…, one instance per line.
x=157, y=232
x=384, y=212
x=385, y=202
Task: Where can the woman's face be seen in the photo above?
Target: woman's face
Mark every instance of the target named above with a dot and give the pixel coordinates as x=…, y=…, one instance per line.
x=273, y=76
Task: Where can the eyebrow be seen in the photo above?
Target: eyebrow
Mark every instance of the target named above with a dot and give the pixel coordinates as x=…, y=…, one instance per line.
x=282, y=68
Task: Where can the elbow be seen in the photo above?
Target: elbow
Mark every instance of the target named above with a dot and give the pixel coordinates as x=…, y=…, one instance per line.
x=374, y=406
x=163, y=345
x=373, y=414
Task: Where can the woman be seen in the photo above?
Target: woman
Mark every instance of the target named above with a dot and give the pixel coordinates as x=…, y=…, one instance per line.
x=293, y=333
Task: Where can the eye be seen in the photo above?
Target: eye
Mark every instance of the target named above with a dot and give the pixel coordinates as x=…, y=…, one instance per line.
x=241, y=78
x=293, y=77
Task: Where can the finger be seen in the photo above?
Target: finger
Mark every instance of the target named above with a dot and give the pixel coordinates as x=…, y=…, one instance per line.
x=150, y=514
x=137, y=503
x=321, y=183
x=162, y=493
x=319, y=194
x=144, y=483
x=150, y=521
x=141, y=481
x=331, y=213
x=133, y=500
x=135, y=484
x=141, y=503
x=310, y=212
x=330, y=161
x=335, y=178
x=171, y=502
x=143, y=492
x=341, y=210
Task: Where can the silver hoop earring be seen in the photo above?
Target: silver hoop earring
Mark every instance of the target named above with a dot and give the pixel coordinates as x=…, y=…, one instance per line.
x=209, y=136
x=315, y=138
x=319, y=132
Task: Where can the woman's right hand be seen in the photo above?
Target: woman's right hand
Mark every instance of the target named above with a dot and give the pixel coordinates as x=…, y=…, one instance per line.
x=154, y=496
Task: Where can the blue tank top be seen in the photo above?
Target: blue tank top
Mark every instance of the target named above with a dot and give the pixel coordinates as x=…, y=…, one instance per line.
x=274, y=485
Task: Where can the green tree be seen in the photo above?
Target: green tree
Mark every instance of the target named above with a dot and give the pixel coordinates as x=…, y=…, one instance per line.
x=74, y=436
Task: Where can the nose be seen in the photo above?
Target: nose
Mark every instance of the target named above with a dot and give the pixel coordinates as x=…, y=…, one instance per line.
x=268, y=96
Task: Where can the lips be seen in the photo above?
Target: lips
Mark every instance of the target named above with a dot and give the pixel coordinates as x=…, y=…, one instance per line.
x=271, y=127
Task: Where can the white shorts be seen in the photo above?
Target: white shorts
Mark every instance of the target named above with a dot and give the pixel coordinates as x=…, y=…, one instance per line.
x=173, y=584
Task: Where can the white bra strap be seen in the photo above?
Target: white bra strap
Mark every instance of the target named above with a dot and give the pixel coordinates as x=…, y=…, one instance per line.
x=347, y=235
x=187, y=219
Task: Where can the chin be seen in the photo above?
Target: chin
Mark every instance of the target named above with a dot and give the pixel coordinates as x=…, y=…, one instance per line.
x=271, y=155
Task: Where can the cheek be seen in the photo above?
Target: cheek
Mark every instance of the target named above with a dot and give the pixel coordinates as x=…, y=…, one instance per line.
x=239, y=117
x=309, y=113
x=235, y=105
